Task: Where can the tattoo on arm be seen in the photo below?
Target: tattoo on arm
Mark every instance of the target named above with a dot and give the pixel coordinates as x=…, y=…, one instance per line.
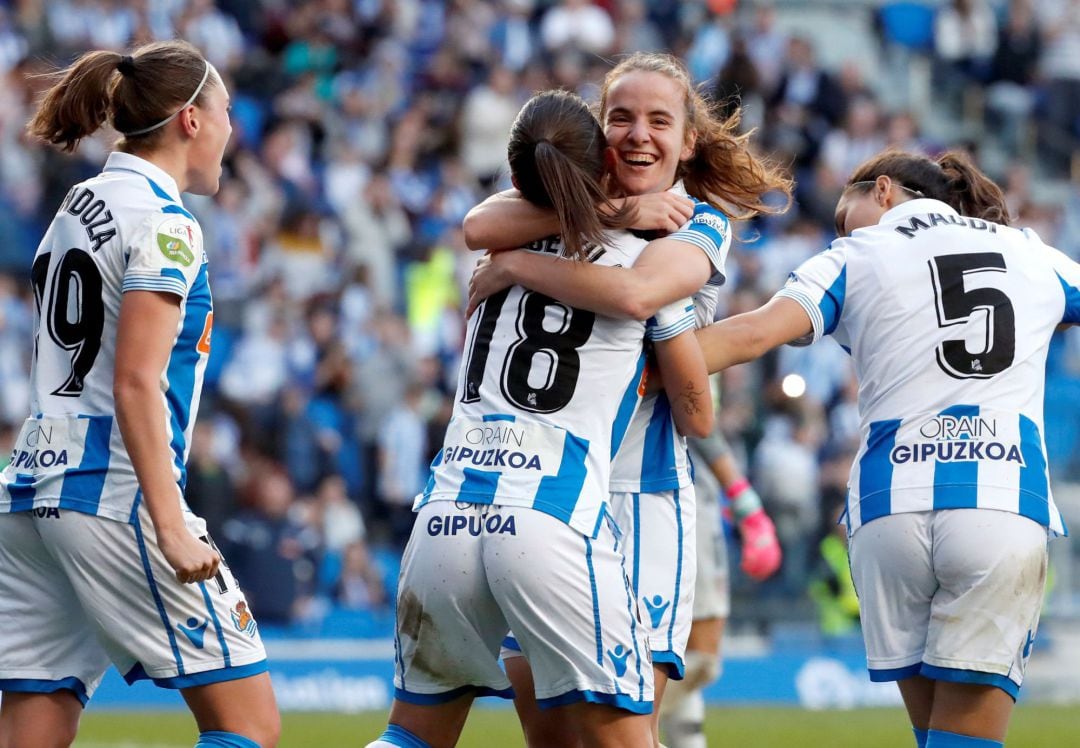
x=690, y=400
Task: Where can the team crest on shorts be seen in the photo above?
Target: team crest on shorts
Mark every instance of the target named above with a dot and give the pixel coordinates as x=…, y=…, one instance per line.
x=242, y=619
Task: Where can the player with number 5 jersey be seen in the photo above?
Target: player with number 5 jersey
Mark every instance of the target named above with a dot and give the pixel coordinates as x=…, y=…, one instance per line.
x=101, y=561
x=947, y=312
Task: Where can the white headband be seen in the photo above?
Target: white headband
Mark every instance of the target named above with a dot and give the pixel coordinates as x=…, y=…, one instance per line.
x=171, y=117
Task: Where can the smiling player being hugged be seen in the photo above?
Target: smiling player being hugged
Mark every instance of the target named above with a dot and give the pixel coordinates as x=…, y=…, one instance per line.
x=100, y=559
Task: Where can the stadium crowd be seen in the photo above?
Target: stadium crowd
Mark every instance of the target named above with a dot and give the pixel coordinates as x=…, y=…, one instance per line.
x=364, y=132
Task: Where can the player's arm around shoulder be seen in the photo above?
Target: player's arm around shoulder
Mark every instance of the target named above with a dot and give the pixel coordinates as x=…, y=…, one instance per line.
x=751, y=335
x=682, y=367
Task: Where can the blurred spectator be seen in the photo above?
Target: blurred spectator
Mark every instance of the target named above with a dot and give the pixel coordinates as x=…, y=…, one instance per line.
x=513, y=39
x=577, y=24
x=1060, y=69
x=340, y=520
x=635, y=31
x=1013, y=71
x=402, y=461
x=210, y=491
x=360, y=586
x=271, y=550
x=486, y=116
x=965, y=38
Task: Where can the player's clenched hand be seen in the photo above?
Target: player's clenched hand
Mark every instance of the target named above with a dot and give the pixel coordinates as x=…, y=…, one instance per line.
x=488, y=278
x=661, y=211
x=761, y=554
x=191, y=559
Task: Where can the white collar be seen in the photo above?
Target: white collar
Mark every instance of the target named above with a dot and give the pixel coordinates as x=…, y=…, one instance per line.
x=916, y=205
x=120, y=161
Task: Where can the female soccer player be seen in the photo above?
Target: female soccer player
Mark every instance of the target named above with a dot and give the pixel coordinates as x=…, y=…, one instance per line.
x=513, y=529
x=947, y=313
x=100, y=559
x=665, y=141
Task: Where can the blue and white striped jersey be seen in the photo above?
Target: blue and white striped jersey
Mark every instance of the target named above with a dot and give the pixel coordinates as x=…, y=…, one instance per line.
x=540, y=388
x=123, y=230
x=653, y=455
x=948, y=320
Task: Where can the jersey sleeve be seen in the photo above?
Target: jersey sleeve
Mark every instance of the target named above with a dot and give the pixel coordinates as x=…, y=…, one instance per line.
x=819, y=286
x=164, y=254
x=1068, y=273
x=671, y=320
x=710, y=230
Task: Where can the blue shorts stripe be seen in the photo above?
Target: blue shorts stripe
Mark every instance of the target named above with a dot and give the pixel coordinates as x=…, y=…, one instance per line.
x=956, y=483
x=674, y=664
x=157, y=597
x=217, y=624
x=428, y=699
x=876, y=471
x=39, y=685
x=83, y=484
x=204, y=678
x=617, y=700
x=956, y=675
x=897, y=673
x=598, y=633
x=678, y=570
x=631, y=597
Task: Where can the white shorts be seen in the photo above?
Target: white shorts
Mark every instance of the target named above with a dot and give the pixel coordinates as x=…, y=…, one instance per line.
x=712, y=588
x=951, y=595
x=80, y=591
x=660, y=545
x=471, y=571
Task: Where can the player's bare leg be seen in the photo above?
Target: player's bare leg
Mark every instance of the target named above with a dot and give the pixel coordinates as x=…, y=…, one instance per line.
x=438, y=725
x=541, y=730
x=603, y=726
x=244, y=707
x=970, y=709
x=660, y=681
x=39, y=720
x=918, y=695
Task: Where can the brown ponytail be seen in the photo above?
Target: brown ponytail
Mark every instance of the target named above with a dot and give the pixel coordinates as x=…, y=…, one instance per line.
x=953, y=179
x=132, y=92
x=556, y=156
x=975, y=194
x=724, y=170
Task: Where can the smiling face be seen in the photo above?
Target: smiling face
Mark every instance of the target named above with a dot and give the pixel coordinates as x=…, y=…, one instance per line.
x=645, y=125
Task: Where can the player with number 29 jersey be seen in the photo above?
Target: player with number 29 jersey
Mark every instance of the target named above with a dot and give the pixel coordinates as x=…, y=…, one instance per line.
x=949, y=337
x=69, y=453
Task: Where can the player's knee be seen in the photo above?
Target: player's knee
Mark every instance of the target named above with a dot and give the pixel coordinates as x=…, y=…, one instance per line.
x=702, y=668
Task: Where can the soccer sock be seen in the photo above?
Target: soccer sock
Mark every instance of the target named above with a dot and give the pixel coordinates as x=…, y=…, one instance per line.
x=396, y=736
x=920, y=737
x=220, y=739
x=942, y=739
x=684, y=725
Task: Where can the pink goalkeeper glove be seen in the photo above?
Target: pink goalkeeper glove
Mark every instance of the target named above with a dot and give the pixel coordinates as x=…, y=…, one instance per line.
x=761, y=554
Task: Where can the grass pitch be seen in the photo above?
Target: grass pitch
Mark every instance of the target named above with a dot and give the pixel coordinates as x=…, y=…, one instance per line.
x=1033, y=726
